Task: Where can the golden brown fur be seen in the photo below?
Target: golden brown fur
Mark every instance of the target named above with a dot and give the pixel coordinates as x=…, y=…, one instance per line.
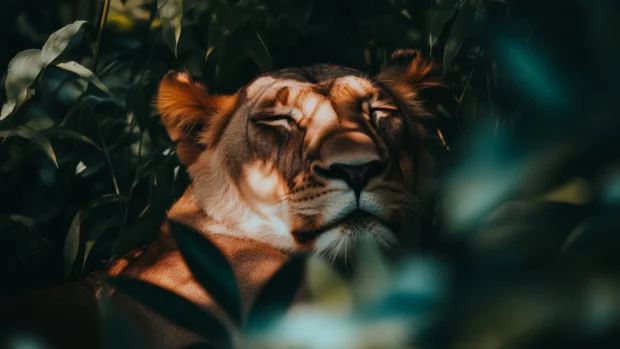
x=275, y=165
x=299, y=159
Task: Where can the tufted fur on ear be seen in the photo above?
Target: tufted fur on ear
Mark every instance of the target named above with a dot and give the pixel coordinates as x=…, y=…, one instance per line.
x=408, y=73
x=405, y=75
x=186, y=109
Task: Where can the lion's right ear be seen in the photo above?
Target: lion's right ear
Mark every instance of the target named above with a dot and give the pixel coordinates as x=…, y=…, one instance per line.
x=186, y=110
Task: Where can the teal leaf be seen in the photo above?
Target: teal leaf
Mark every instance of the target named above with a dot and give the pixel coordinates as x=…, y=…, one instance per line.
x=23, y=70
x=171, y=15
x=178, y=310
x=371, y=274
x=84, y=72
x=58, y=42
x=38, y=138
x=210, y=268
x=276, y=296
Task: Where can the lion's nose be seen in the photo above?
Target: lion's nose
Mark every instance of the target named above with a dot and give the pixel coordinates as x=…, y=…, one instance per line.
x=356, y=176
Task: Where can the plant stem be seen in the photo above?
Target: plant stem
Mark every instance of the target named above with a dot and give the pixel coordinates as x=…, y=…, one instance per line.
x=104, y=18
x=109, y=161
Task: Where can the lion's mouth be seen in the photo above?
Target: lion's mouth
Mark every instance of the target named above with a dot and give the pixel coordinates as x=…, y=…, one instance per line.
x=357, y=217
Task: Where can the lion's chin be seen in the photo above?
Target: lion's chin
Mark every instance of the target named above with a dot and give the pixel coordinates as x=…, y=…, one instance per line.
x=339, y=241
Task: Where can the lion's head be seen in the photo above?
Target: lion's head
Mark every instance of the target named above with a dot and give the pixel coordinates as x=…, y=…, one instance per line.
x=306, y=158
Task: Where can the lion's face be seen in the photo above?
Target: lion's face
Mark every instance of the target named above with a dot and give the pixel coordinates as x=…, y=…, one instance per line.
x=305, y=158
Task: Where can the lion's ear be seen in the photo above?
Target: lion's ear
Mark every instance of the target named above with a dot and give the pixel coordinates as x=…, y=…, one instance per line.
x=409, y=72
x=187, y=109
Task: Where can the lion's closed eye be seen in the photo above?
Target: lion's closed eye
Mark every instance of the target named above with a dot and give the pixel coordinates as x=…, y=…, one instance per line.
x=276, y=121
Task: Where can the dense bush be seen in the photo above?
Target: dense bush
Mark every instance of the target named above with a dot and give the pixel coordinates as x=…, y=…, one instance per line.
x=523, y=250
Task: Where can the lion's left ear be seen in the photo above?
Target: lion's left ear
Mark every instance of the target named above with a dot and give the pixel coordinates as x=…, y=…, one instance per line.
x=187, y=110
x=408, y=72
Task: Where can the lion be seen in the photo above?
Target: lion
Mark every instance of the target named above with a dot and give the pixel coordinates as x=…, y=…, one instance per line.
x=300, y=159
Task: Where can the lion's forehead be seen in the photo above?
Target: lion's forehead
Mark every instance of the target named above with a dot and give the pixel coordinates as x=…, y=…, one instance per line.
x=307, y=100
x=319, y=107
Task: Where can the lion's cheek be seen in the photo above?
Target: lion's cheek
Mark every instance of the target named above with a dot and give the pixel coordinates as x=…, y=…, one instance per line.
x=264, y=183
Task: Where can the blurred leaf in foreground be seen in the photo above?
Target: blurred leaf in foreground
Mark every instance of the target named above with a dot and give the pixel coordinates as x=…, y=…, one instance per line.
x=209, y=267
x=276, y=296
x=175, y=308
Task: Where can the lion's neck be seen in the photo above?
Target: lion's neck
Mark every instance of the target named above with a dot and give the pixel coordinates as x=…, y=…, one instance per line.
x=187, y=211
x=208, y=218
x=226, y=211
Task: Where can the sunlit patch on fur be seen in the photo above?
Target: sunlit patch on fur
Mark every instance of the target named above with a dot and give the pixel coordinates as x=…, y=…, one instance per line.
x=352, y=84
x=229, y=208
x=323, y=120
x=264, y=181
x=258, y=86
x=183, y=78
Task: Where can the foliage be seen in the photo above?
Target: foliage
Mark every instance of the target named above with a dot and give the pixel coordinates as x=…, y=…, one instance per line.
x=523, y=249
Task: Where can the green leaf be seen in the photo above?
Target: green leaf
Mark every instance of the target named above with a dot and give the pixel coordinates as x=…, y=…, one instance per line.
x=401, y=7
x=58, y=42
x=72, y=242
x=105, y=200
x=149, y=166
x=461, y=29
x=277, y=295
x=23, y=70
x=140, y=233
x=97, y=232
x=178, y=310
x=210, y=268
x=444, y=11
x=27, y=66
x=39, y=139
x=63, y=132
x=17, y=219
x=138, y=103
x=84, y=72
x=225, y=20
x=171, y=15
x=215, y=35
x=258, y=51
